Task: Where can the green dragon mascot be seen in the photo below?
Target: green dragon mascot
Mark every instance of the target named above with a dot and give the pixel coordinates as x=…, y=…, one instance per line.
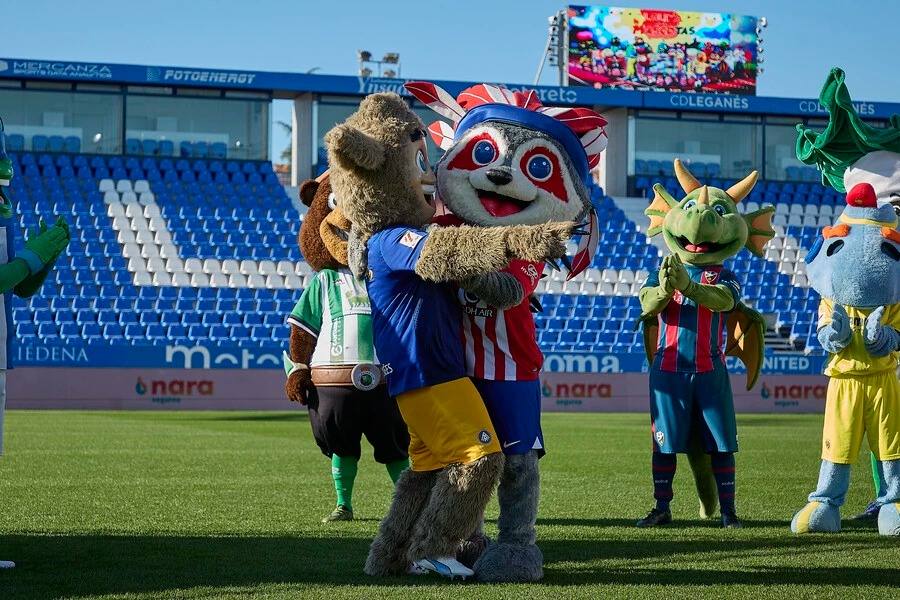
x=23, y=273
x=691, y=308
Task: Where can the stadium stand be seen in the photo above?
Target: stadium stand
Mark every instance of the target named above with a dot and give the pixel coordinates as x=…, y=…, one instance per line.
x=177, y=250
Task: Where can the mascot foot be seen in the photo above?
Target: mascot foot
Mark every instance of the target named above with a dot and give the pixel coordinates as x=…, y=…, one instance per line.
x=7, y=564
x=381, y=562
x=817, y=517
x=889, y=519
x=445, y=566
x=472, y=548
x=510, y=563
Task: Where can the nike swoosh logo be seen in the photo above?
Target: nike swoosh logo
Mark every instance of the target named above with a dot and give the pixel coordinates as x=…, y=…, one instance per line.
x=507, y=445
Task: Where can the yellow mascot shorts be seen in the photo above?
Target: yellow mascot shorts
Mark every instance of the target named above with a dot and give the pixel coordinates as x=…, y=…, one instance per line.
x=858, y=406
x=448, y=424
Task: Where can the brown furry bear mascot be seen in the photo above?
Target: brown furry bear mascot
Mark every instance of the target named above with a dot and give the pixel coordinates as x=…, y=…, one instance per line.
x=380, y=174
x=332, y=367
x=510, y=160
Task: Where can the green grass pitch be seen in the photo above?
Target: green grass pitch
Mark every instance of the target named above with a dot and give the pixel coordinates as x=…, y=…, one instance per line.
x=227, y=505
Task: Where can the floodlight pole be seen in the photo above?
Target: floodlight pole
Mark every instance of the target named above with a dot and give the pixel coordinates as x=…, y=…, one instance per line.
x=556, y=48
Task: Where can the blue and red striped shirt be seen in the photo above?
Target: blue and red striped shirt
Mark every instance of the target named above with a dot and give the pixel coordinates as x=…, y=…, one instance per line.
x=690, y=336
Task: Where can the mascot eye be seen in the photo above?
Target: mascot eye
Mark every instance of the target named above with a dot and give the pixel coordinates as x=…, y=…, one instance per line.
x=689, y=204
x=721, y=210
x=332, y=201
x=484, y=152
x=420, y=161
x=540, y=168
x=834, y=248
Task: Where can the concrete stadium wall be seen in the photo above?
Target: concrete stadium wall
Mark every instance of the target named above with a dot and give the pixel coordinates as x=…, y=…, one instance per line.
x=262, y=389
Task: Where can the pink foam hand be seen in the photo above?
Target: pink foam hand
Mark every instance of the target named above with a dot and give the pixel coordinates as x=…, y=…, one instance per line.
x=587, y=247
x=437, y=99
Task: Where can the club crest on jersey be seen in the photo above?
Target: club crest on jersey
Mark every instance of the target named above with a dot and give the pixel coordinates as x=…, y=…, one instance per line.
x=660, y=438
x=710, y=277
x=531, y=272
x=484, y=436
x=678, y=296
x=410, y=239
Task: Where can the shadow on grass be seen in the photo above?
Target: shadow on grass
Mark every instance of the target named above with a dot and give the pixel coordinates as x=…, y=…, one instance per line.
x=714, y=523
x=256, y=418
x=53, y=566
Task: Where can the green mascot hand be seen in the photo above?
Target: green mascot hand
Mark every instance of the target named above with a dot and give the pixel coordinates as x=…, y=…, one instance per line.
x=42, y=247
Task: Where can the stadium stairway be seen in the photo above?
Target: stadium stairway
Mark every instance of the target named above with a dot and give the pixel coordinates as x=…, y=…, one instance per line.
x=177, y=251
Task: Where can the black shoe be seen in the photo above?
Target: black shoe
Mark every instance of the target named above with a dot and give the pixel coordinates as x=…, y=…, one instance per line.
x=730, y=520
x=869, y=515
x=656, y=517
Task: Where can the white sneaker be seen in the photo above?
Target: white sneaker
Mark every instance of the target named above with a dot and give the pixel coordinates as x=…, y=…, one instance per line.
x=7, y=564
x=446, y=566
x=415, y=569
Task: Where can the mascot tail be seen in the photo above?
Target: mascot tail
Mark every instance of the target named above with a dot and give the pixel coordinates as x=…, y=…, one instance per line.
x=704, y=479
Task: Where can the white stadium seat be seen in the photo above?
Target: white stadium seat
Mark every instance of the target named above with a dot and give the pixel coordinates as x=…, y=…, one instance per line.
x=641, y=276
x=143, y=278
x=174, y=265
x=236, y=280
x=606, y=289
x=115, y=210
x=274, y=282
x=149, y=250
x=107, y=185
x=589, y=288
x=789, y=255
x=293, y=282
x=256, y=282
x=797, y=209
x=147, y=198
x=824, y=221
x=144, y=236
x=218, y=280
x=211, y=265
x=622, y=289
x=126, y=236
x=130, y=249
x=795, y=220
x=133, y=210
x=162, y=278
x=594, y=275
x=553, y=287
x=267, y=267
x=200, y=280
x=303, y=268
x=157, y=224
x=750, y=207
x=136, y=264
x=193, y=265
x=129, y=198
x=152, y=211
x=249, y=267
x=790, y=243
x=776, y=243
x=811, y=209
x=123, y=185
x=156, y=265
x=141, y=185
x=773, y=254
x=800, y=281
x=782, y=209
x=285, y=267
x=181, y=280
x=779, y=220
x=111, y=197
x=121, y=222
x=626, y=276
x=163, y=236
x=230, y=266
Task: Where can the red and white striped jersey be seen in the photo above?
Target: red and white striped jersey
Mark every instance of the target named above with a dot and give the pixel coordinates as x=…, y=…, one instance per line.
x=501, y=345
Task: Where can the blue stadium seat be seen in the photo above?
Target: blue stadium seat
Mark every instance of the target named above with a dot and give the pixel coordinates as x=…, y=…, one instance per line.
x=39, y=143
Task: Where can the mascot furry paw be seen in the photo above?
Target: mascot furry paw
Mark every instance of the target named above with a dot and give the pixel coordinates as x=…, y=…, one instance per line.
x=855, y=267
x=693, y=297
x=381, y=177
x=332, y=366
x=511, y=161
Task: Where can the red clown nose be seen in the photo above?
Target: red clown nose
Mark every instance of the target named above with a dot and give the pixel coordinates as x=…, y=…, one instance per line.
x=862, y=194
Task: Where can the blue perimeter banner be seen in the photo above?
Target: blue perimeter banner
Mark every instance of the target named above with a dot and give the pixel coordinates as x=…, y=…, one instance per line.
x=23, y=68
x=207, y=356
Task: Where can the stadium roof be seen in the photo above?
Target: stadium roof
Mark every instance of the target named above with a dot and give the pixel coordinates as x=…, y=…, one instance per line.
x=288, y=85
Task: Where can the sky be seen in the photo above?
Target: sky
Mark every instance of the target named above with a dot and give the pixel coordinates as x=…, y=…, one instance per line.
x=484, y=40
